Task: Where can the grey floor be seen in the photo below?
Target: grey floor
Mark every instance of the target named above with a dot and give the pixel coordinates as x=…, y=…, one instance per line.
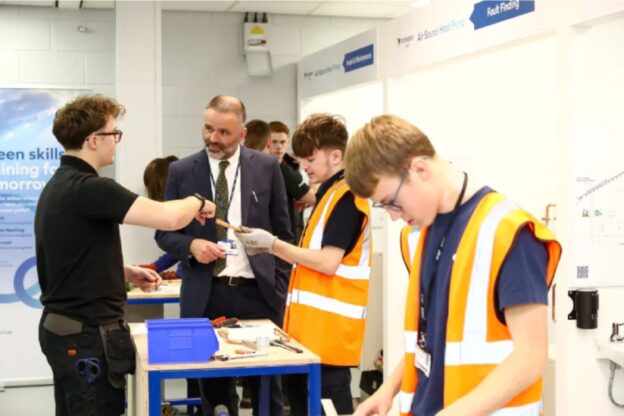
x=39, y=400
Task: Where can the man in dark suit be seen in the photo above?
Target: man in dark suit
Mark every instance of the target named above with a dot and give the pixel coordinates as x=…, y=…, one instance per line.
x=248, y=189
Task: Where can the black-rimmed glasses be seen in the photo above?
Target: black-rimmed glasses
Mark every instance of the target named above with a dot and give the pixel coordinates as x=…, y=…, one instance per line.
x=392, y=205
x=117, y=135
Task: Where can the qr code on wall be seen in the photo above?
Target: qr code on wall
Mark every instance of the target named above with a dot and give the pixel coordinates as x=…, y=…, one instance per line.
x=582, y=272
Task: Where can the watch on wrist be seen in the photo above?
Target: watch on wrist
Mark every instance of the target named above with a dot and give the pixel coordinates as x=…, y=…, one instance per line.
x=202, y=199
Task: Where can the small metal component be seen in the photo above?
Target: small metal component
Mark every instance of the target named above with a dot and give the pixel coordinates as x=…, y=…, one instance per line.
x=615, y=332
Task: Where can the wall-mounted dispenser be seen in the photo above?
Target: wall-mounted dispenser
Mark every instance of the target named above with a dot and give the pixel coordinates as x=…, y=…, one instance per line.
x=585, y=308
x=255, y=37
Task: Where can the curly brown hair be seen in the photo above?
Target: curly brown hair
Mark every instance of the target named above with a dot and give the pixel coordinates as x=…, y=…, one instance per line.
x=320, y=131
x=79, y=118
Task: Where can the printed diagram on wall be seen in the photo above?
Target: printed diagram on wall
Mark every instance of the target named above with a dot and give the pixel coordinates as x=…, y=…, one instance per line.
x=599, y=230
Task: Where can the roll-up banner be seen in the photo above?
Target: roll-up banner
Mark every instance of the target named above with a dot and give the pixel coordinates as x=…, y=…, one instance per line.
x=29, y=155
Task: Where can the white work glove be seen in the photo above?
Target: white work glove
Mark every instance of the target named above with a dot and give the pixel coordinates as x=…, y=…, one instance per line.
x=256, y=240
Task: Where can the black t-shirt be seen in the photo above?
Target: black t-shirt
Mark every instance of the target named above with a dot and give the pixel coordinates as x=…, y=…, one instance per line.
x=345, y=222
x=296, y=188
x=79, y=260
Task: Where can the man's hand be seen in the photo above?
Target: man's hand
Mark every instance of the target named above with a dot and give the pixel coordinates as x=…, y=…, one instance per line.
x=256, y=240
x=208, y=211
x=146, y=279
x=206, y=251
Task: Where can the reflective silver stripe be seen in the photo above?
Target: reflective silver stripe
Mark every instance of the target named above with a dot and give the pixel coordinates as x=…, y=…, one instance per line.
x=531, y=409
x=288, y=299
x=317, y=234
x=475, y=321
x=412, y=242
x=460, y=353
x=368, y=241
x=328, y=304
x=474, y=348
x=362, y=270
x=354, y=272
x=405, y=401
x=410, y=341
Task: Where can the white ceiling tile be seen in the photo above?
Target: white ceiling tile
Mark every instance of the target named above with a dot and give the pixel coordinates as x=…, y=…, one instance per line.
x=362, y=8
x=30, y=3
x=205, y=6
x=98, y=4
x=281, y=7
x=349, y=8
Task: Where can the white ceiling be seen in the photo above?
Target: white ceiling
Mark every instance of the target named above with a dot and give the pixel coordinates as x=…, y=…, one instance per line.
x=352, y=8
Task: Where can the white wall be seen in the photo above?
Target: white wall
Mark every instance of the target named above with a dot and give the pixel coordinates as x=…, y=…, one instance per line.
x=41, y=47
x=203, y=57
x=596, y=87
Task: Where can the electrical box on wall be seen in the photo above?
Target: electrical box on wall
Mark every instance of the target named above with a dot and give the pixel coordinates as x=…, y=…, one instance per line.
x=257, y=47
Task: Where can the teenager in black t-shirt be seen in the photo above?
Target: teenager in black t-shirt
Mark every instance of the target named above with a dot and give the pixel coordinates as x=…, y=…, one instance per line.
x=79, y=259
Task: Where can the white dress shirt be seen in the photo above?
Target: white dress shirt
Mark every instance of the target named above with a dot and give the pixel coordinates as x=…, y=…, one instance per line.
x=234, y=265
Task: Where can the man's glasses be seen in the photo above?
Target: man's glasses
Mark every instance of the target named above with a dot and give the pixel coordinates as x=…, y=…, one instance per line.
x=392, y=205
x=117, y=135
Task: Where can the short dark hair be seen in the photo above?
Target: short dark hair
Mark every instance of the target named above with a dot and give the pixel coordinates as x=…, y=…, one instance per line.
x=320, y=131
x=155, y=176
x=228, y=104
x=279, y=127
x=84, y=115
x=258, y=134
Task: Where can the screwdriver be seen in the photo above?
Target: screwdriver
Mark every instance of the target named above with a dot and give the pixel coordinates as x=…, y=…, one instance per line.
x=290, y=348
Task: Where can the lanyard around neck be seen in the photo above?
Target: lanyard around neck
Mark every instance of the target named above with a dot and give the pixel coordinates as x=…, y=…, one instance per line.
x=425, y=302
x=220, y=201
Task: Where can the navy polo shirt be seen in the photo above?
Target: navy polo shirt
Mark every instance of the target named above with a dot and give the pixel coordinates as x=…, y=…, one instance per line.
x=522, y=281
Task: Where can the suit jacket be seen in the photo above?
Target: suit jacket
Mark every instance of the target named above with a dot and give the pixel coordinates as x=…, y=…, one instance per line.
x=260, y=175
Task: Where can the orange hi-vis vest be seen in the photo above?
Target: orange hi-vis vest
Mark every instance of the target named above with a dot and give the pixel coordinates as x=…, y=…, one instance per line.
x=476, y=341
x=409, y=241
x=325, y=313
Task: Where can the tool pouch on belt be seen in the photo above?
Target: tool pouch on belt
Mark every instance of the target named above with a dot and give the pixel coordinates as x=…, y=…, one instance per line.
x=62, y=325
x=119, y=352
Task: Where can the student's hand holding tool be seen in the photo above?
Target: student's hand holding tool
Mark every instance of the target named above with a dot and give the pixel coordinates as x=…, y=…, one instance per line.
x=256, y=240
x=146, y=279
x=207, y=210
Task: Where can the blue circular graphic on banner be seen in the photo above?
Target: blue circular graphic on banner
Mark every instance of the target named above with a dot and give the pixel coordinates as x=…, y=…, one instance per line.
x=23, y=294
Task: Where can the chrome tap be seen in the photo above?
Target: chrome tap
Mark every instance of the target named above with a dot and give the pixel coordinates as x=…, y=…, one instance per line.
x=615, y=332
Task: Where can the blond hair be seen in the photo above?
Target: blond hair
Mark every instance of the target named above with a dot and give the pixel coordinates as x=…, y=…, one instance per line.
x=383, y=147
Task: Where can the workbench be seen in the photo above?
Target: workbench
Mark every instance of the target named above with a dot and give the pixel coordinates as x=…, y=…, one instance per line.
x=144, y=387
x=169, y=292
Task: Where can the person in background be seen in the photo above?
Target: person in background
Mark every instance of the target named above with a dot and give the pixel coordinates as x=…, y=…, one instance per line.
x=299, y=194
x=155, y=180
x=258, y=136
x=475, y=320
x=249, y=189
x=79, y=261
x=328, y=291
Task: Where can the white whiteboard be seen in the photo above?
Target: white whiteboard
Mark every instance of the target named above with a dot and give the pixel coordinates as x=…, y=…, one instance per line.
x=597, y=135
x=494, y=114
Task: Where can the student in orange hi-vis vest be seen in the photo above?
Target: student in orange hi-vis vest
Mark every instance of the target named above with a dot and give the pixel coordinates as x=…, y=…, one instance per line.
x=328, y=291
x=475, y=318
